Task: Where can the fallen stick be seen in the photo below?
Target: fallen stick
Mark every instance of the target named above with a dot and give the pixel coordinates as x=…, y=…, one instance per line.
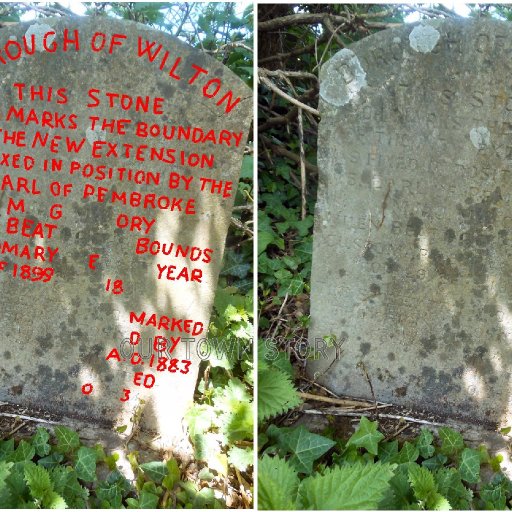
x=337, y=412
x=339, y=401
x=28, y=418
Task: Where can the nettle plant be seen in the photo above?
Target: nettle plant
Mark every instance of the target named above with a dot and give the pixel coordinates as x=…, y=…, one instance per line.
x=302, y=470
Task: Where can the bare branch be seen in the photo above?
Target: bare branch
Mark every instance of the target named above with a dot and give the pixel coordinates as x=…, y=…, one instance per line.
x=287, y=97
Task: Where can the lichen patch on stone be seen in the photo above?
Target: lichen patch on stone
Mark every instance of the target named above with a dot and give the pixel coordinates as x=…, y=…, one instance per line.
x=423, y=38
x=480, y=137
x=94, y=135
x=40, y=31
x=342, y=78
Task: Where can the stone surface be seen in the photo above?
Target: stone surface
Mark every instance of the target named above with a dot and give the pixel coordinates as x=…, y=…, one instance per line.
x=413, y=226
x=57, y=335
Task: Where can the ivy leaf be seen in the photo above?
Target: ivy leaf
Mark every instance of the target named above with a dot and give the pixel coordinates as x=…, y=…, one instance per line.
x=470, y=466
x=51, y=461
x=435, y=462
x=408, y=453
x=40, y=442
x=66, y=484
x=276, y=394
x=277, y=484
x=424, y=443
x=366, y=436
x=67, y=440
x=451, y=441
x=86, y=464
x=6, y=448
x=388, y=450
x=305, y=448
x=24, y=452
x=155, y=471
x=148, y=500
x=449, y=484
x=349, y=487
x=113, y=489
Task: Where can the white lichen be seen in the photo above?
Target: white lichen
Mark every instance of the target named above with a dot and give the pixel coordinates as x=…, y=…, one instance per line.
x=423, y=38
x=40, y=32
x=341, y=78
x=480, y=137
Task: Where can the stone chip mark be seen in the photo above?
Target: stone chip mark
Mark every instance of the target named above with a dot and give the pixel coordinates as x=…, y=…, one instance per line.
x=342, y=78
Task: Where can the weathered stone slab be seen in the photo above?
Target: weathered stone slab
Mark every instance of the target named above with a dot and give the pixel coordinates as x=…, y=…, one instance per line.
x=59, y=327
x=413, y=241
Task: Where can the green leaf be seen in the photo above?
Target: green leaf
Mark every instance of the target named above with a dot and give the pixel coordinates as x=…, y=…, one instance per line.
x=496, y=462
x=276, y=394
x=435, y=462
x=199, y=419
x=282, y=362
x=24, y=452
x=40, y=442
x=266, y=238
x=305, y=448
x=148, y=500
x=449, y=484
x=240, y=458
x=366, y=436
x=349, y=487
x=424, y=443
x=422, y=482
x=400, y=494
x=38, y=481
x=470, y=466
x=112, y=489
x=51, y=461
x=5, y=471
x=408, y=453
x=155, y=471
x=6, y=448
x=277, y=484
x=247, y=167
x=438, y=502
x=67, y=440
x=54, y=501
x=388, y=450
x=173, y=474
x=66, y=484
x=86, y=464
x=451, y=441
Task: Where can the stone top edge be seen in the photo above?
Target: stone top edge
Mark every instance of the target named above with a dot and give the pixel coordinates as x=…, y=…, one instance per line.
x=98, y=22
